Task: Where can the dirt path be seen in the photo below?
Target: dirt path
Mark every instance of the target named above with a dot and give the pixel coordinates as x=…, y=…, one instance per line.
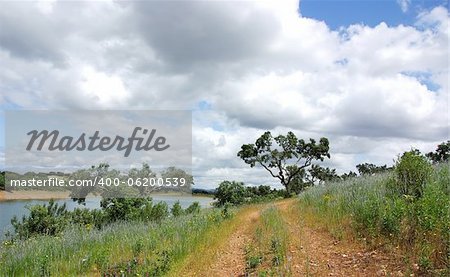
x=228, y=259
x=314, y=252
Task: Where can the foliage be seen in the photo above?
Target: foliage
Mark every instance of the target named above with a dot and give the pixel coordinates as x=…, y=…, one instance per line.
x=176, y=209
x=321, y=174
x=48, y=219
x=143, y=172
x=268, y=248
x=368, y=205
x=173, y=172
x=348, y=175
x=412, y=172
x=441, y=154
x=289, y=151
x=2, y=180
x=194, y=208
x=230, y=192
x=123, y=248
x=236, y=193
x=371, y=169
x=125, y=208
x=52, y=219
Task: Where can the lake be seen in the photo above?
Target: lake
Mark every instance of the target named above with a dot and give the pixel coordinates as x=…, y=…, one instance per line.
x=9, y=209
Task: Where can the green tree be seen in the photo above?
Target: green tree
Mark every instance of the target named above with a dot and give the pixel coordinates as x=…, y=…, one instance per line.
x=441, y=154
x=2, y=180
x=321, y=174
x=230, y=192
x=412, y=172
x=143, y=172
x=288, y=151
x=371, y=169
x=101, y=171
x=349, y=175
x=175, y=175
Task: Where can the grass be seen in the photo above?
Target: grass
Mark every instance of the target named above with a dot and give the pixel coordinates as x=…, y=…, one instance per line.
x=266, y=254
x=123, y=248
x=366, y=207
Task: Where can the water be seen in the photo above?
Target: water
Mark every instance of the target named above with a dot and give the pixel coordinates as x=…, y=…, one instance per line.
x=9, y=209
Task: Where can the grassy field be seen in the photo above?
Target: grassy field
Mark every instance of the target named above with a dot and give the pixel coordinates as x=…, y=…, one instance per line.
x=366, y=209
x=130, y=248
x=344, y=228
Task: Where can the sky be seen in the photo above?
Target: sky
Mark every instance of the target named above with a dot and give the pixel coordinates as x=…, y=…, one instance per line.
x=372, y=76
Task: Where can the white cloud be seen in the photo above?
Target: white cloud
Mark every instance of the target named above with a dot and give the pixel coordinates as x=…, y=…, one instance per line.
x=404, y=5
x=374, y=91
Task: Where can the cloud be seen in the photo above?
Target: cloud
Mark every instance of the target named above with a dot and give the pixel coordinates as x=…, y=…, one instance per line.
x=374, y=91
x=404, y=5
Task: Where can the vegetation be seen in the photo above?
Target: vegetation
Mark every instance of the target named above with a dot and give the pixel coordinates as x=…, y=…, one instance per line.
x=405, y=208
x=236, y=193
x=409, y=207
x=51, y=219
x=288, y=159
x=123, y=248
x=441, y=154
x=2, y=180
x=266, y=254
x=371, y=169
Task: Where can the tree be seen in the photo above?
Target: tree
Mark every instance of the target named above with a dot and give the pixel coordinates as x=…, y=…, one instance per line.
x=141, y=174
x=371, y=169
x=289, y=151
x=2, y=180
x=441, y=154
x=180, y=179
x=349, y=175
x=321, y=174
x=230, y=192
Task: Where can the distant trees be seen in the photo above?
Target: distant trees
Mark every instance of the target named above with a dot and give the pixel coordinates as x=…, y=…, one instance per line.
x=236, y=193
x=284, y=157
x=371, y=169
x=441, y=154
x=2, y=180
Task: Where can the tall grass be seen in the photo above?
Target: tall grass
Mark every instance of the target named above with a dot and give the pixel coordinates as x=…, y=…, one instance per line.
x=119, y=249
x=266, y=254
x=421, y=226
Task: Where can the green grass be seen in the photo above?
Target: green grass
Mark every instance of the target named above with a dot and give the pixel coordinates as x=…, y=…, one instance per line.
x=367, y=206
x=266, y=254
x=130, y=248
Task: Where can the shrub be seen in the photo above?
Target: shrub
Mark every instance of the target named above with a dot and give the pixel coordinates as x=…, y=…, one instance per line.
x=230, y=192
x=44, y=219
x=159, y=211
x=176, y=209
x=412, y=172
x=194, y=208
x=124, y=208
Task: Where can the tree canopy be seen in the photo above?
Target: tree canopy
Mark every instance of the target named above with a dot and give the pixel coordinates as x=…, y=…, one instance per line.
x=285, y=157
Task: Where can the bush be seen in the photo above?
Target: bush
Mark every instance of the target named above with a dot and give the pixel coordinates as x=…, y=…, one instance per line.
x=412, y=172
x=176, y=209
x=125, y=208
x=194, y=208
x=159, y=211
x=230, y=192
x=44, y=219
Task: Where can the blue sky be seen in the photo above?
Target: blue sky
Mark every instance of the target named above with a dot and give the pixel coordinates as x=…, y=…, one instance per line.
x=337, y=13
